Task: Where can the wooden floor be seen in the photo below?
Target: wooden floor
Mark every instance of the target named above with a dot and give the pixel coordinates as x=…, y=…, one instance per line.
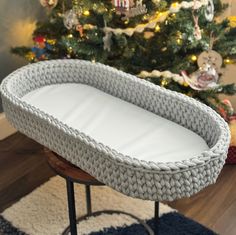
x=23, y=168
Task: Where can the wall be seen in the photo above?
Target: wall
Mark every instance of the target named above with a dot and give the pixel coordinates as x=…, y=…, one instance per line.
x=17, y=22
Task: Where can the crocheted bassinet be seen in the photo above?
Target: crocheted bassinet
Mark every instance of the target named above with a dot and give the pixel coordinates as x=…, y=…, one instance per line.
x=142, y=140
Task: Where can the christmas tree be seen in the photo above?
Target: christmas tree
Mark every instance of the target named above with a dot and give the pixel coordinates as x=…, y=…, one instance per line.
x=179, y=45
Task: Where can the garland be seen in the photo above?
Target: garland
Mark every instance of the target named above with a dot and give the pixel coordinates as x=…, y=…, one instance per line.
x=165, y=74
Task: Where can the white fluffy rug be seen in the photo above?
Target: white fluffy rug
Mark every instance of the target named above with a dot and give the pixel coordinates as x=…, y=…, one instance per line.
x=44, y=211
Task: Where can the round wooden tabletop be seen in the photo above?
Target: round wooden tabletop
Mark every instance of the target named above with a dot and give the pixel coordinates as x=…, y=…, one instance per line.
x=67, y=170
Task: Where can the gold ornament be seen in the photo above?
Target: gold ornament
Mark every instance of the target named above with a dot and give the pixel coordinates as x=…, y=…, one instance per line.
x=126, y=21
x=175, y=5
x=232, y=21
x=164, y=82
x=30, y=56
x=157, y=28
x=145, y=17
x=89, y=26
x=70, y=35
x=51, y=41
x=86, y=13
x=69, y=50
x=228, y=61
x=194, y=58
x=179, y=41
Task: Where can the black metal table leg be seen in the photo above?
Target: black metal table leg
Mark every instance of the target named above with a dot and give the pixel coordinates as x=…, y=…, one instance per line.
x=156, y=211
x=71, y=206
x=156, y=216
x=88, y=199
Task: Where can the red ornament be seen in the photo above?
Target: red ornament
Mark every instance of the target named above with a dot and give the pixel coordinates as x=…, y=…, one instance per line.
x=40, y=41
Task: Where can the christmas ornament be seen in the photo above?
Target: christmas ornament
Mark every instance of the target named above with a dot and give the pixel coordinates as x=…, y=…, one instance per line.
x=197, y=31
x=86, y=13
x=80, y=29
x=51, y=41
x=226, y=109
x=41, y=47
x=203, y=79
x=50, y=4
x=128, y=9
x=107, y=41
x=194, y=58
x=232, y=21
x=89, y=26
x=231, y=158
x=30, y=56
x=40, y=41
x=209, y=11
x=71, y=19
x=211, y=58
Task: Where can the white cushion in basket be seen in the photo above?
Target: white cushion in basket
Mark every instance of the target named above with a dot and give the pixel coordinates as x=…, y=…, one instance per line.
x=116, y=123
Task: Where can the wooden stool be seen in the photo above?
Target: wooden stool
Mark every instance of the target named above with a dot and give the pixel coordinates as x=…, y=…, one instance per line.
x=73, y=174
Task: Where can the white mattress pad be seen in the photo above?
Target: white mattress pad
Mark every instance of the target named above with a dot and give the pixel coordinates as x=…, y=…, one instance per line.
x=120, y=125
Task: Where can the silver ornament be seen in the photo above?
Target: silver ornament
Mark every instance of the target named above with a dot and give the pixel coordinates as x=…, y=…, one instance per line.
x=209, y=11
x=70, y=19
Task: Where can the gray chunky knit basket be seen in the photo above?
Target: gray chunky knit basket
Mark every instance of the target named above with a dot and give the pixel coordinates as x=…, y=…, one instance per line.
x=156, y=181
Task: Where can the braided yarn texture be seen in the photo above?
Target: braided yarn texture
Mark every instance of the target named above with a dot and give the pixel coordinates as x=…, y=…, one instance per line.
x=155, y=181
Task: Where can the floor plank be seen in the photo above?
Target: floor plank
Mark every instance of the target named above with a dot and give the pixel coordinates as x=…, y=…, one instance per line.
x=23, y=167
x=214, y=206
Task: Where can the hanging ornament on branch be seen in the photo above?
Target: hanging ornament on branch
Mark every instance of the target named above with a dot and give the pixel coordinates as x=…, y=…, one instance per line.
x=209, y=11
x=210, y=56
x=209, y=63
x=80, y=29
x=107, y=38
x=49, y=4
x=128, y=9
x=197, y=31
x=71, y=18
x=107, y=41
x=203, y=79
